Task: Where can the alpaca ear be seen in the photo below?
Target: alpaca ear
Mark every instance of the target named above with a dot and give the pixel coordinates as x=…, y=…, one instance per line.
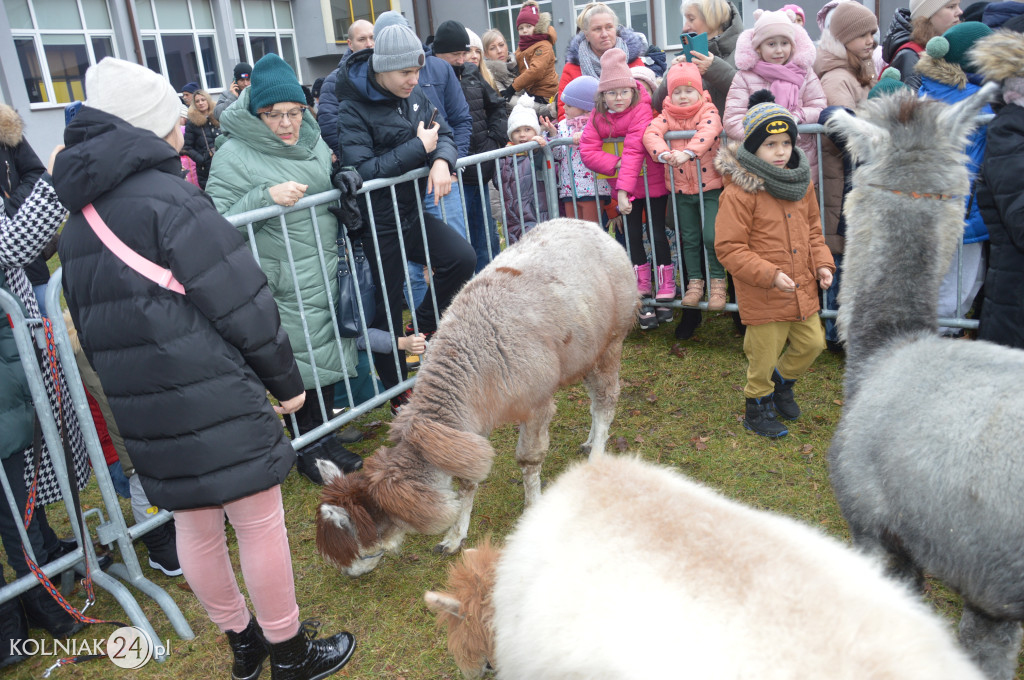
x=960, y=119
x=440, y=603
x=862, y=138
x=328, y=470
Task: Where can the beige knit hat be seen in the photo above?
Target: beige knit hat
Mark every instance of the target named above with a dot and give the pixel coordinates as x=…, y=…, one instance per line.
x=925, y=8
x=850, y=20
x=134, y=94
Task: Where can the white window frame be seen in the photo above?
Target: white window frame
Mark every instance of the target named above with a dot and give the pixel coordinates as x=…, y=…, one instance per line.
x=37, y=43
x=157, y=33
x=245, y=32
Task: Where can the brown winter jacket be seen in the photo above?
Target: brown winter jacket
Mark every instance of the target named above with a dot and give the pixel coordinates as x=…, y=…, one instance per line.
x=758, y=235
x=841, y=89
x=705, y=142
x=537, y=73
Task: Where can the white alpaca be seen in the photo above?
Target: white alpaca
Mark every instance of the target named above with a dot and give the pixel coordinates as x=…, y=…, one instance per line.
x=625, y=569
x=550, y=311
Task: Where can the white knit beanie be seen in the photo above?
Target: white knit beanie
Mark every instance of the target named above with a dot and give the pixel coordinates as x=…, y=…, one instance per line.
x=523, y=114
x=134, y=94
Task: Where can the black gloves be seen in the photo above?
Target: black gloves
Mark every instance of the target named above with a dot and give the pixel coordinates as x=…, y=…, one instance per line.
x=508, y=93
x=348, y=182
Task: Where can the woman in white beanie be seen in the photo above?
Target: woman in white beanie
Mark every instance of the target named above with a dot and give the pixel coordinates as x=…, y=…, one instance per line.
x=911, y=29
x=186, y=365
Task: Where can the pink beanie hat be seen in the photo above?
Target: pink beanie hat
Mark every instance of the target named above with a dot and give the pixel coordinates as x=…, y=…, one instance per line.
x=615, y=73
x=795, y=9
x=684, y=73
x=771, y=24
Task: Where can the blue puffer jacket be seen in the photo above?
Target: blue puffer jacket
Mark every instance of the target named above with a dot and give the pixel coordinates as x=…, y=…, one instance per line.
x=998, y=13
x=974, y=229
x=439, y=82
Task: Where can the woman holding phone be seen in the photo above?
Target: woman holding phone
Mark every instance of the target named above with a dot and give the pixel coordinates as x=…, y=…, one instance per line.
x=386, y=128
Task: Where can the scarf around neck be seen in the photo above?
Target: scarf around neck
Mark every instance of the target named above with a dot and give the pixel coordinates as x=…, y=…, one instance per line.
x=590, y=63
x=785, y=80
x=682, y=113
x=786, y=184
x=528, y=41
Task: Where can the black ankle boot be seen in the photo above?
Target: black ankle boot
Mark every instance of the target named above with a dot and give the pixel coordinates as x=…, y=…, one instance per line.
x=689, y=320
x=13, y=631
x=163, y=549
x=303, y=658
x=760, y=418
x=42, y=611
x=250, y=650
x=782, y=397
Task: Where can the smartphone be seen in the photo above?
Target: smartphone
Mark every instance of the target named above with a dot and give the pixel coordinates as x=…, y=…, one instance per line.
x=693, y=42
x=432, y=117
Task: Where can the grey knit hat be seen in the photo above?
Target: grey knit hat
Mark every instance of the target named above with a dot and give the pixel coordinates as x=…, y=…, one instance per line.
x=389, y=18
x=395, y=48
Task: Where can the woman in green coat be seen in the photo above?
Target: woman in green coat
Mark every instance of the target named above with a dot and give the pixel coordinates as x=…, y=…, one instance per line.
x=273, y=154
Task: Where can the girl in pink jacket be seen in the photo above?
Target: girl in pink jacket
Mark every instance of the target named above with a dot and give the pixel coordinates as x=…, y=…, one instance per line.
x=776, y=55
x=623, y=109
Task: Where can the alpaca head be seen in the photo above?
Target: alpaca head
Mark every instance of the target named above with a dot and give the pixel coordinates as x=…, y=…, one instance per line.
x=466, y=609
x=911, y=144
x=366, y=514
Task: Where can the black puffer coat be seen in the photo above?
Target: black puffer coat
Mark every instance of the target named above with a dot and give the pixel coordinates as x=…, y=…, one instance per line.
x=20, y=167
x=200, y=142
x=490, y=120
x=377, y=136
x=1000, y=195
x=186, y=375
x=903, y=61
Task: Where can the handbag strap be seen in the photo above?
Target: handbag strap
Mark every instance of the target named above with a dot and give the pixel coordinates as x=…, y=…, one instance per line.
x=152, y=271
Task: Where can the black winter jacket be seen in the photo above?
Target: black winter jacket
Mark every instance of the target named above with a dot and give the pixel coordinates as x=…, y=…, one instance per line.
x=186, y=375
x=1000, y=195
x=902, y=60
x=327, y=108
x=490, y=120
x=200, y=143
x=377, y=136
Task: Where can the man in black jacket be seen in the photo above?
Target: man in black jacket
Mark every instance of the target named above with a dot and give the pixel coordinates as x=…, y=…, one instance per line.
x=490, y=119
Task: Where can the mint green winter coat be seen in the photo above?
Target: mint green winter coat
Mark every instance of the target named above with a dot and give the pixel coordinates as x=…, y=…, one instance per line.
x=250, y=160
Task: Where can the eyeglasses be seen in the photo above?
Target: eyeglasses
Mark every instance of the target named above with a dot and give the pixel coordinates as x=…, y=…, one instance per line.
x=619, y=94
x=275, y=116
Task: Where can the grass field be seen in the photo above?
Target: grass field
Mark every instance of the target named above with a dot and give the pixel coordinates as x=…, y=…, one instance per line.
x=681, y=405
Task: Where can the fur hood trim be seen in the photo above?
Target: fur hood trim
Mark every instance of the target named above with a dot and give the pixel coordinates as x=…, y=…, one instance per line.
x=635, y=45
x=199, y=119
x=728, y=165
x=746, y=53
x=11, y=126
x=829, y=43
x=543, y=22
x=941, y=71
x=999, y=56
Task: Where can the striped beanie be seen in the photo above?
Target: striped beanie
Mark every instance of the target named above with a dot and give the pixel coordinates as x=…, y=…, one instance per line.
x=764, y=118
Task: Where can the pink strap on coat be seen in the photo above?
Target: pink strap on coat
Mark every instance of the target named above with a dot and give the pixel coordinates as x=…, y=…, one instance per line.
x=152, y=271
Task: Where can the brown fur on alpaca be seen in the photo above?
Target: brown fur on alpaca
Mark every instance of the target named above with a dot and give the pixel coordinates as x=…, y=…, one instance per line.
x=466, y=609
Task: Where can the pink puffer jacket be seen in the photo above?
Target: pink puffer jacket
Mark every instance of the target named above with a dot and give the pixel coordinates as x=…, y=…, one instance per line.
x=746, y=83
x=630, y=124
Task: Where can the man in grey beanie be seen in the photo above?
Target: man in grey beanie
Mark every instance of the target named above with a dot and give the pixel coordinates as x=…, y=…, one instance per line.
x=387, y=126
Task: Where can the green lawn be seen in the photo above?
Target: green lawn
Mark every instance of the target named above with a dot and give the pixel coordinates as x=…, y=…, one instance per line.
x=681, y=405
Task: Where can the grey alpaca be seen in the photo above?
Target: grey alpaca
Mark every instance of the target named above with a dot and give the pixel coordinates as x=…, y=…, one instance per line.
x=927, y=460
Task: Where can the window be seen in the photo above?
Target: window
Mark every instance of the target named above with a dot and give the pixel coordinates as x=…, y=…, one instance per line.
x=56, y=41
x=265, y=26
x=179, y=41
x=633, y=14
x=344, y=13
x=503, y=15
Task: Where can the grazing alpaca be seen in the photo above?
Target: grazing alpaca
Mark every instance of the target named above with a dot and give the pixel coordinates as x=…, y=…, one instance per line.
x=547, y=312
x=926, y=461
x=625, y=569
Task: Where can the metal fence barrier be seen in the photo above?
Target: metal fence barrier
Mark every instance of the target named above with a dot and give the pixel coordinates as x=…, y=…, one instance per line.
x=110, y=529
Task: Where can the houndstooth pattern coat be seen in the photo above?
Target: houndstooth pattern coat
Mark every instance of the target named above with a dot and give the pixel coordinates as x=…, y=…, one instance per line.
x=22, y=238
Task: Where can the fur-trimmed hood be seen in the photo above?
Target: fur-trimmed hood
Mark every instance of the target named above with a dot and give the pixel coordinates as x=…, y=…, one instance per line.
x=999, y=56
x=729, y=167
x=941, y=71
x=746, y=55
x=543, y=22
x=199, y=119
x=635, y=45
x=12, y=129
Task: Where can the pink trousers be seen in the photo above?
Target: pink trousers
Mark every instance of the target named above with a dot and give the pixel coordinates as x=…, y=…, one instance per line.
x=263, y=552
